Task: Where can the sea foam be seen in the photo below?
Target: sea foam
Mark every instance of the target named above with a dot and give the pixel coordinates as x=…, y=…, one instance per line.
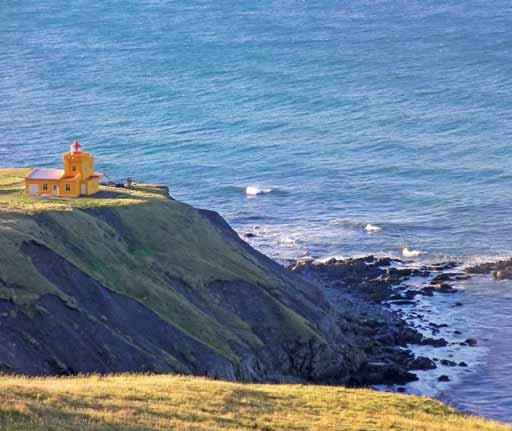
x=407, y=252
x=370, y=228
x=254, y=191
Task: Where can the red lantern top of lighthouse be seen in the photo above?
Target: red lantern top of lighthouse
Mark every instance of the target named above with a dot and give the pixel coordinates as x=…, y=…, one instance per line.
x=76, y=147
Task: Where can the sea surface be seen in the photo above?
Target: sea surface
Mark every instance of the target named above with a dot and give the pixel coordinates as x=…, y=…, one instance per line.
x=359, y=126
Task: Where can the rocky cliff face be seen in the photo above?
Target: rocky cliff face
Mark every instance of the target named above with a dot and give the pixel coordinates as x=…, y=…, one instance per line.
x=134, y=281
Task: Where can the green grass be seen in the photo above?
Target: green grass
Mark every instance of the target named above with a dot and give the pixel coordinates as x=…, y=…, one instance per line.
x=137, y=402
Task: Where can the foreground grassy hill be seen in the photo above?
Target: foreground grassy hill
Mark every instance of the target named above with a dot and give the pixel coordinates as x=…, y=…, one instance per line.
x=132, y=402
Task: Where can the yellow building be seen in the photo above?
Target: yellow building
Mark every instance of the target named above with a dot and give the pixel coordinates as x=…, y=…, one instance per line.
x=78, y=178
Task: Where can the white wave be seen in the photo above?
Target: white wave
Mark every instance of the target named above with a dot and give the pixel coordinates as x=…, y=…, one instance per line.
x=253, y=191
x=407, y=252
x=370, y=228
x=287, y=240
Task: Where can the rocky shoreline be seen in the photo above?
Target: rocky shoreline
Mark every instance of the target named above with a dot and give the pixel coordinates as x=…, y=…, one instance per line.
x=363, y=291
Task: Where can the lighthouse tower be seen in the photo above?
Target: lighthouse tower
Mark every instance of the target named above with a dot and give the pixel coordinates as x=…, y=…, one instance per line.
x=78, y=162
x=78, y=178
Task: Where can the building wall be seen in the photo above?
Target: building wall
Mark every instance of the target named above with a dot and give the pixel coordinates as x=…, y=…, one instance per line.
x=93, y=186
x=45, y=187
x=74, y=188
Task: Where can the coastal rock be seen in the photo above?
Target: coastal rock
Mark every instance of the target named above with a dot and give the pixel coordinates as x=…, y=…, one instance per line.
x=443, y=378
x=422, y=363
x=471, y=341
x=444, y=288
x=443, y=266
x=388, y=373
x=404, y=302
x=366, y=282
x=364, y=279
x=427, y=291
x=438, y=325
x=435, y=342
x=441, y=278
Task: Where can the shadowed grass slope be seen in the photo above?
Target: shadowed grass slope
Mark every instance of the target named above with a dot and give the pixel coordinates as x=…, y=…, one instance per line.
x=138, y=402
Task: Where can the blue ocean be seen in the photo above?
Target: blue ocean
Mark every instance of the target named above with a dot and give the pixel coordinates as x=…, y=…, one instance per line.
x=321, y=128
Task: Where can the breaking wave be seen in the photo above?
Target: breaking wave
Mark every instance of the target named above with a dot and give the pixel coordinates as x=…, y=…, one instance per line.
x=407, y=252
x=254, y=191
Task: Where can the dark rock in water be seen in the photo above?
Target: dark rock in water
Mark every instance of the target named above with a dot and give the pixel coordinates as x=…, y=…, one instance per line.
x=410, y=294
x=422, y=363
x=443, y=378
x=404, y=302
x=385, y=261
x=462, y=364
x=388, y=374
x=400, y=389
x=443, y=266
x=462, y=277
x=448, y=363
x=427, y=291
x=471, y=342
x=444, y=288
x=249, y=235
x=438, y=325
x=458, y=304
x=440, y=278
x=435, y=342
x=457, y=332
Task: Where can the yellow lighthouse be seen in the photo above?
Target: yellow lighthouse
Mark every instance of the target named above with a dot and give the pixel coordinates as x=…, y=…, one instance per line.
x=78, y=178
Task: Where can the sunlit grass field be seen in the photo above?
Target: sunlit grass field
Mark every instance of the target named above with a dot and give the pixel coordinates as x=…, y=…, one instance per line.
x=139, y=402
x=13, y=198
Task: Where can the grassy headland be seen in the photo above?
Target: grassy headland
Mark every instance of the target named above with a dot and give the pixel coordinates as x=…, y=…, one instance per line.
x=131, y=402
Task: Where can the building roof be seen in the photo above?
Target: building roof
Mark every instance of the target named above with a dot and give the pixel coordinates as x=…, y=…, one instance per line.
x=45, y=174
